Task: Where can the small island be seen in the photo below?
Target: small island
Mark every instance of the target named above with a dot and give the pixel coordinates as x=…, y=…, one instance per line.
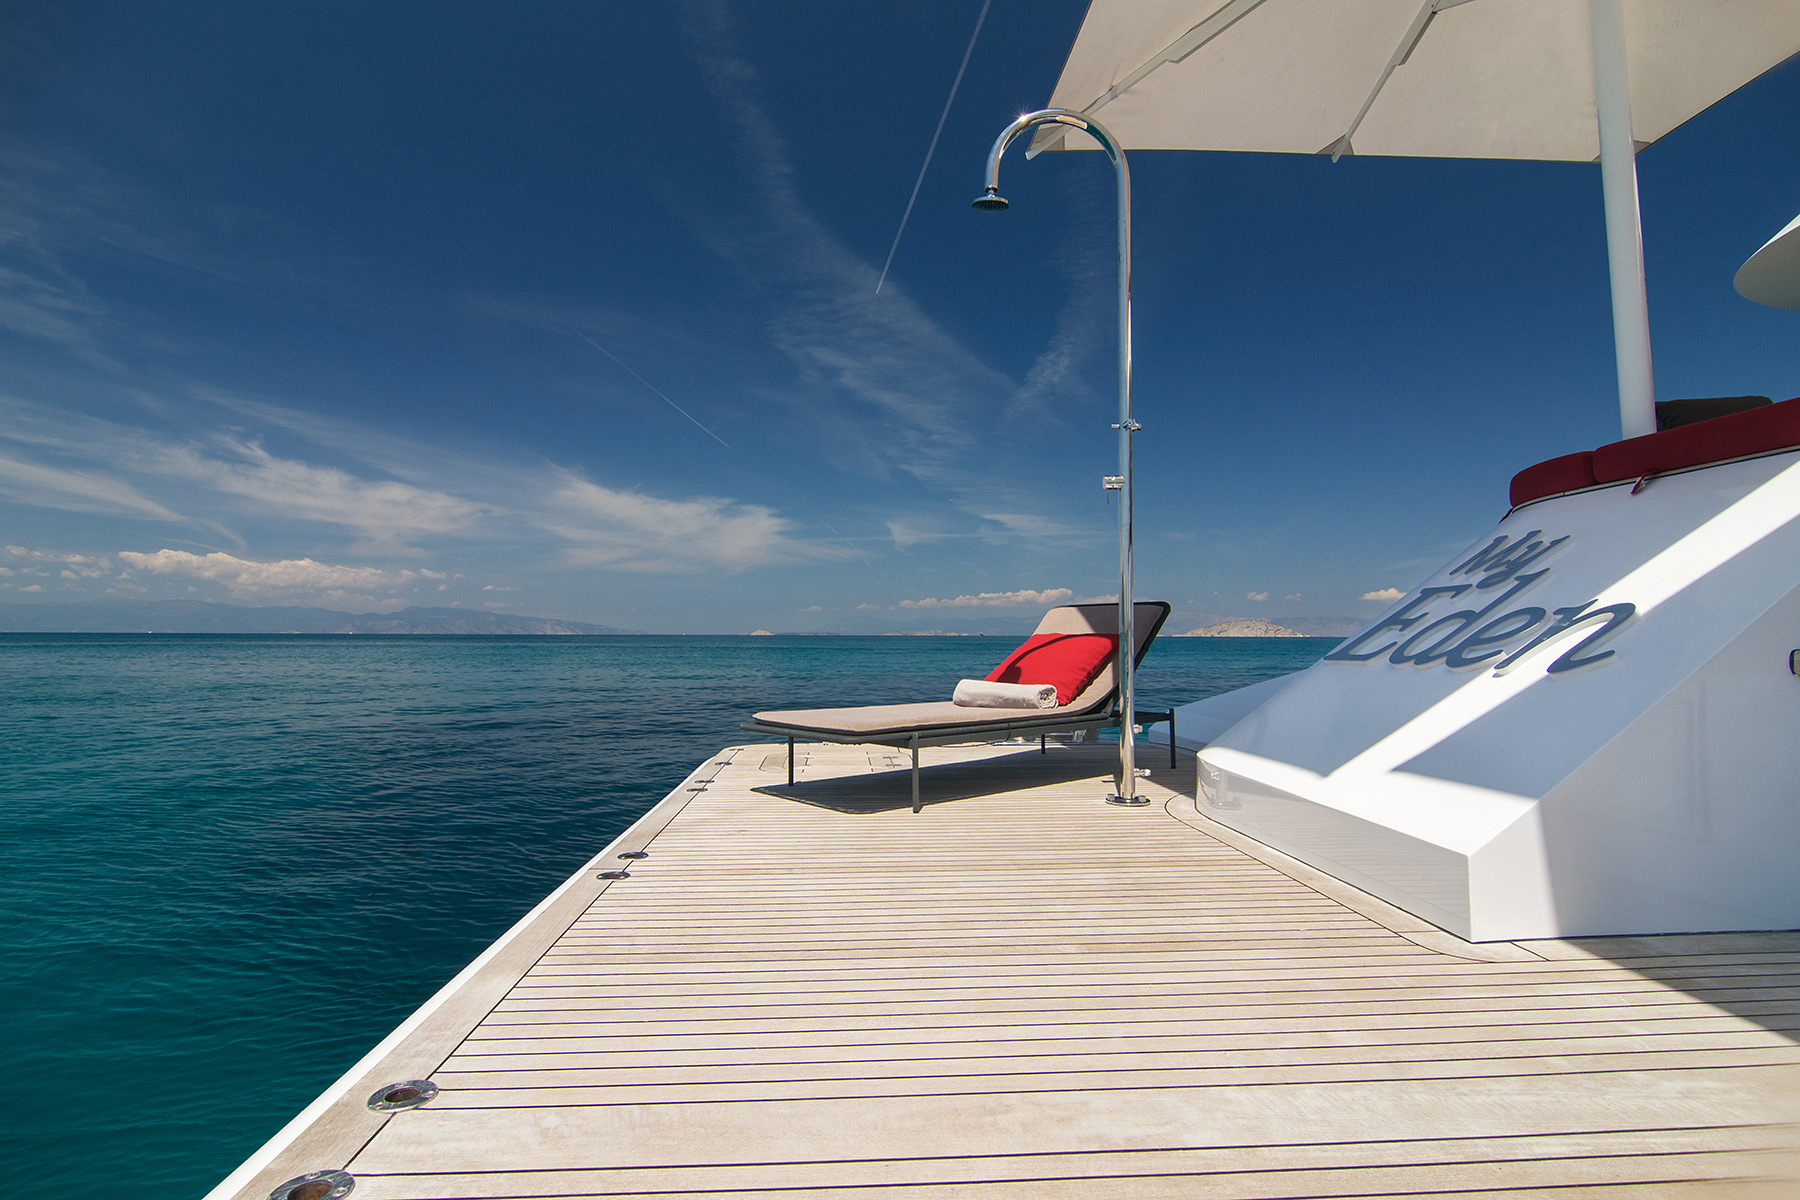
x=1254, y=627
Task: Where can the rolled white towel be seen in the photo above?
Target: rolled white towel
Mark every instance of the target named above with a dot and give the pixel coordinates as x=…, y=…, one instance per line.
x=981, y=693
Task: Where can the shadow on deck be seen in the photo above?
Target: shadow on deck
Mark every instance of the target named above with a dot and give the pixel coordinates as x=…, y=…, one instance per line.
x=888, y=785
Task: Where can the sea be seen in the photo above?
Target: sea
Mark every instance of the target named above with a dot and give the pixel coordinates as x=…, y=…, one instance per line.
x=230, y=864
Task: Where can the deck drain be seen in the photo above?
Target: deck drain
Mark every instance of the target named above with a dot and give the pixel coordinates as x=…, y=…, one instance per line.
x=320, y=1185
x=396, y=1096
x=615, y=875
x=634, y=854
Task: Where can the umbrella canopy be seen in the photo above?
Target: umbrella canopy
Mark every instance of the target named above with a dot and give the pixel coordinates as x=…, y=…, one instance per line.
x=1450, y=79
x=1772, y=276
x=1526, y=79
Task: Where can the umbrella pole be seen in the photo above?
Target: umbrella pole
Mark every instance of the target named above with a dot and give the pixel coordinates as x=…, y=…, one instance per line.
x=1624, y=228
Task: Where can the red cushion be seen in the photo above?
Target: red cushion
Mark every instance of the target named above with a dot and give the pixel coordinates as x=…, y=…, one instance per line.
x=1555, y=475
x=1068, y=660
x=1770, y=427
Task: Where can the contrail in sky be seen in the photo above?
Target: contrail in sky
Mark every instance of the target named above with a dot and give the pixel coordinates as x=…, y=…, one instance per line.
x=684, y=412
x=445, y=225
x=932, y=149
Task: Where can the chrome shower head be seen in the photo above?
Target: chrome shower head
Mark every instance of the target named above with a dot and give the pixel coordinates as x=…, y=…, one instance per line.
x=993, y=201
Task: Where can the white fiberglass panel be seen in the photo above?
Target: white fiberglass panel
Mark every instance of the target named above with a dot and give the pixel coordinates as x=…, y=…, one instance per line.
x=1690, y=819
x=1413, y=872
x=1681, y=539
x=1546, y=708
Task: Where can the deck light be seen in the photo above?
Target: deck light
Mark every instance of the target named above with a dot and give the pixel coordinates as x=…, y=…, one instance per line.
x=409, y=1094
x=317, y=1185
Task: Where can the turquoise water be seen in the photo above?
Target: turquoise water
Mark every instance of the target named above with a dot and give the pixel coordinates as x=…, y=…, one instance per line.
x=231, y=864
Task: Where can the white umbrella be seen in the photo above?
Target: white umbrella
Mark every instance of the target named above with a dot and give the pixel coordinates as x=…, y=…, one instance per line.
x=1527, y=79
x=1772, y=275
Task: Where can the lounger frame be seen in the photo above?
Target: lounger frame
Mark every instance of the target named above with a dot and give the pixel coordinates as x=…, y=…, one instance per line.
x=1104, y=714
x=939, y=735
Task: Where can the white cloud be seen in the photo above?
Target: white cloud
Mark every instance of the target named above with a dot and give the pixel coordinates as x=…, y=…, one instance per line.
x=230, y=466
x=1019, y=599
x=76, y=491
x=384, y=510
x=1257, y=596
x=1384, y=594
x=61, y=215
x=603, y=526
x=49, y=211
x=245, y=579
x=880, y=386
x=34, y=587
x=1032, y=525
x=53, y=306
x=1088, y=267
x=1292, y=596
x=70, y=566
x=907, y=534
x=425, y=492
x=629, y=531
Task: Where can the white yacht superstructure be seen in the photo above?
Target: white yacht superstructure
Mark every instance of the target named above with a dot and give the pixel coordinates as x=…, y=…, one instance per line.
x=1477, y=755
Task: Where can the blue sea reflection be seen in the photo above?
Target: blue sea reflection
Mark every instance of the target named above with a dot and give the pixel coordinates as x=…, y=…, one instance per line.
x=230, y=865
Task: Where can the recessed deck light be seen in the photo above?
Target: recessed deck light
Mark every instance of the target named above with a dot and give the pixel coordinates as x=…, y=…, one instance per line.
x=409, y=1094
x=319, y=1185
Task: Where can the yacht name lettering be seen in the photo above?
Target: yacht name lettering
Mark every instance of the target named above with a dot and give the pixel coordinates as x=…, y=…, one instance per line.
x=1488, y=633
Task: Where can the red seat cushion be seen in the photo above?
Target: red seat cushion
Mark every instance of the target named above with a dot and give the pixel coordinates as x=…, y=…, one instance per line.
x=1771, y=427
x=1555, y=475
x=1070, y=661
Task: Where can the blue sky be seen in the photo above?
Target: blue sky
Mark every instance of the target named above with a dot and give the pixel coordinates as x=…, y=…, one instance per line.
x=570, y=310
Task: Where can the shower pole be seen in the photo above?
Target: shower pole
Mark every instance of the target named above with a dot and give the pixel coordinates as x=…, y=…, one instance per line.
x=992, y=201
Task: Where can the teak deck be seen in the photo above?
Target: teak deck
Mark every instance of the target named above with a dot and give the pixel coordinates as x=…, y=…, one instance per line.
x=1023, y=992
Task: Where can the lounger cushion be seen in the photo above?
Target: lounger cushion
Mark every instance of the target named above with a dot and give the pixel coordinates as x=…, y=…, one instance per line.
x=891, y=719
x=1066, y=661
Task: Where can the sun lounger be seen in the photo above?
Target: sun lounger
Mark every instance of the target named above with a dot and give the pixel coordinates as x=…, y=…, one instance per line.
x=942, y=723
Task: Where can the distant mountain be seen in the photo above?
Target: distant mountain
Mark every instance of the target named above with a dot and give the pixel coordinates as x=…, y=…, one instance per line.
x=1337, y=627
x=1242, y=628
x=197, y=616
x=1006, y=626
x=934, y=626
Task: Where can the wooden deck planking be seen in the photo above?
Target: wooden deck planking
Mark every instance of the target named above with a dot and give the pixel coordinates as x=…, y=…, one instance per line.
x=1165, y=1173
x=1024, y=991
